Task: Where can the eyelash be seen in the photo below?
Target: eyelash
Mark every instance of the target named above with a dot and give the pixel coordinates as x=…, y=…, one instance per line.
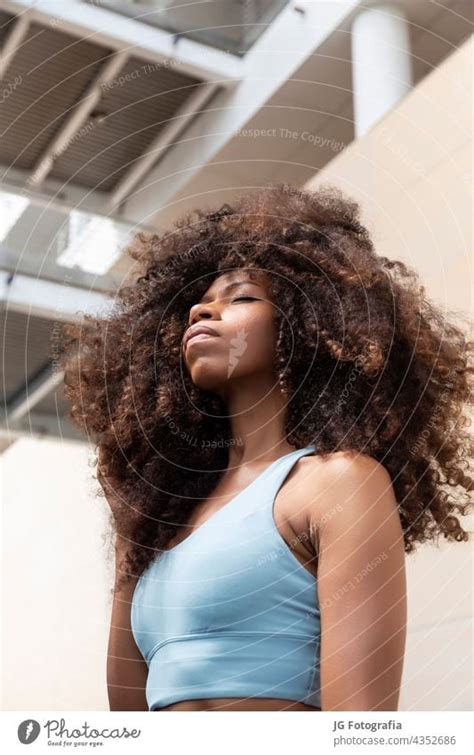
x=246, y=298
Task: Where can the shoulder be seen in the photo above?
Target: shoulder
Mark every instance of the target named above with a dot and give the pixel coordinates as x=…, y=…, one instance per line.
x=343, y=469
x=349, y=489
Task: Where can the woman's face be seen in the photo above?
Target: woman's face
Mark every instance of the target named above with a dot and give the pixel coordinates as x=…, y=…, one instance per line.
x=238, y=309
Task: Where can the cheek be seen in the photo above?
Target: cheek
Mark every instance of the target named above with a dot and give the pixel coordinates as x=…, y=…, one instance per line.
x=253, y=342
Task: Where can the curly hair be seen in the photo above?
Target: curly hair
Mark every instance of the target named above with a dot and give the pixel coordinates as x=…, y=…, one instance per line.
x=367, y=364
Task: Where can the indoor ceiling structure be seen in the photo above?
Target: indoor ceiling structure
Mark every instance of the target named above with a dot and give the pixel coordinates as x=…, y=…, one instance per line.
x=118, y=116
x=232, y=25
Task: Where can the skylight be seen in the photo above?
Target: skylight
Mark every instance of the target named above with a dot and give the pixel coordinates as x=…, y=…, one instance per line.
x=12, y=207
x=94, y=243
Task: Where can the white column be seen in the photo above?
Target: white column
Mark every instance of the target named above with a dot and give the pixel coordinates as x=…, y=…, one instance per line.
x=381, y=66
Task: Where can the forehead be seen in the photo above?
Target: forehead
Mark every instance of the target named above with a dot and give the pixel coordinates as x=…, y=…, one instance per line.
x=231, y=278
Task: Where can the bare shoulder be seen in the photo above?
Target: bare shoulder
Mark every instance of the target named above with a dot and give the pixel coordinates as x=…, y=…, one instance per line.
x=343, y=467
x=345, y=488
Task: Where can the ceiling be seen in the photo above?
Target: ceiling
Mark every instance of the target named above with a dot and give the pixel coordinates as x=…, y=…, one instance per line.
x=232, y=25
x=307, y=120
x=130, y=125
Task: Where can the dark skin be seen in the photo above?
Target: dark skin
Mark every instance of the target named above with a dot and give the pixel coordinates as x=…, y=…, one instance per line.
x=363, y=635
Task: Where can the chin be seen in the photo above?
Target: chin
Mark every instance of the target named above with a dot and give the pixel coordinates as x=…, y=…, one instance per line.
x=207, y=379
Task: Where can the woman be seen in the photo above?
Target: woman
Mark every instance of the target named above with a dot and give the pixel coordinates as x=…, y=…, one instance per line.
x=278, y=414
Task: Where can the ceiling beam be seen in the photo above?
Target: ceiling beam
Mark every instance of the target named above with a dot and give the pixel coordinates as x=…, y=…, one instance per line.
x=54, y=193
x=13, y=42
x=106, y=27
x=77, y=117
x=54, y=301
x=44, y=383
x=168, y=134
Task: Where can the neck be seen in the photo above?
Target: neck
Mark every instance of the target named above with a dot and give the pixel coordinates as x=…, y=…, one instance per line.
x=256, y=409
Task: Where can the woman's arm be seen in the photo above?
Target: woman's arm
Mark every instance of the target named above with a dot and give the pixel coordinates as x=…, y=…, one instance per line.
x=127, y=670
x=361, y=584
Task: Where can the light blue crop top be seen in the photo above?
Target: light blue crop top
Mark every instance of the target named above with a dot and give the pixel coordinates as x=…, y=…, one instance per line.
x=230, y=611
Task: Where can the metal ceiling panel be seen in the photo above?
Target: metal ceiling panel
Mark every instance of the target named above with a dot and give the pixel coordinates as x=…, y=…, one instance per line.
x=54, y=404
x=26, y=344
x=132, y=111
x=53, y=70
x=26, y=348
x=5, y=27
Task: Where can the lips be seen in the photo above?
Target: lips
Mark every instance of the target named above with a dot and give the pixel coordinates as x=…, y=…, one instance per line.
x=198, y=330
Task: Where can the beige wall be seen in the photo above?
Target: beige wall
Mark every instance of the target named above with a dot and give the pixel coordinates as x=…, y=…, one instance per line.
x=55, y=579
x=412, y=175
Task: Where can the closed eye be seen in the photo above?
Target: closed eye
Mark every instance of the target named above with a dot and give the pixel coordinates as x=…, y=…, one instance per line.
x=246, y=298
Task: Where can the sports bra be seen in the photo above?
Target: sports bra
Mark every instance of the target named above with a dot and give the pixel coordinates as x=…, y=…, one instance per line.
x=230, y=611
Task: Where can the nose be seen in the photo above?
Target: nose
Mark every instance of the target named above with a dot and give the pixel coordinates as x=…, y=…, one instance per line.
x=205, y=311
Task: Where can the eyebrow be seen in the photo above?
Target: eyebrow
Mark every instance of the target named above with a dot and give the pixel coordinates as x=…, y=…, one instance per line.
x=229, y=287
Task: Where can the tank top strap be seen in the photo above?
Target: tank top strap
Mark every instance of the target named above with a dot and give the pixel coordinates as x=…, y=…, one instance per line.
x=263, y=492
x=281, y=470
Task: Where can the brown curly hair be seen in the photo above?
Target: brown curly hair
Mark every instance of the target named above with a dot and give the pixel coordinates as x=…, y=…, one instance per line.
x=367, y=362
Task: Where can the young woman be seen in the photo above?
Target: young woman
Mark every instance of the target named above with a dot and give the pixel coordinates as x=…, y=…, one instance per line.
x=278, y=414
